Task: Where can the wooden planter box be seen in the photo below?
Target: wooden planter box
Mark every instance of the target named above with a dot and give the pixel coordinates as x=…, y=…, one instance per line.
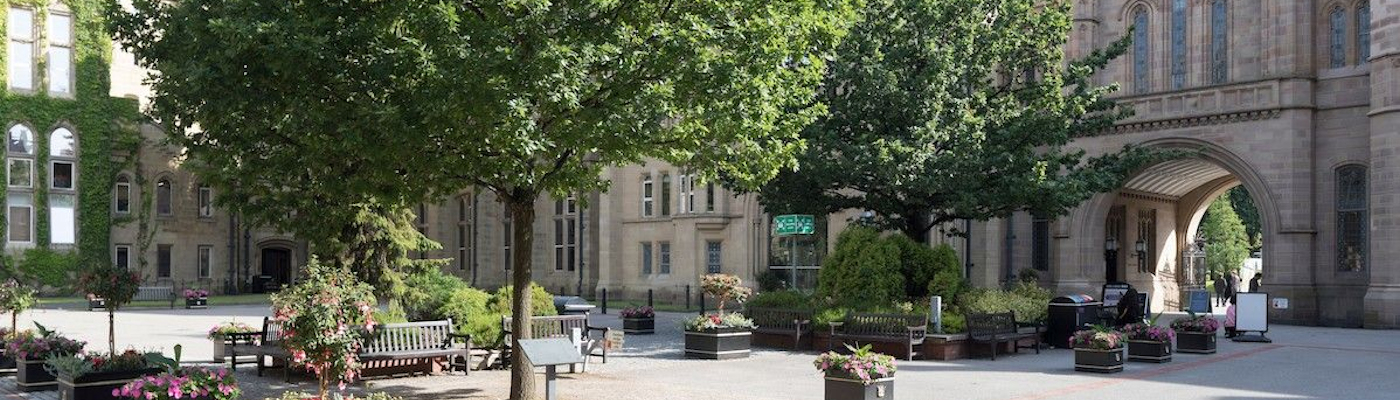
x=1195, y=342
x=219, y=348
x=945, y=347
x=639, y=326
x=1149, y=351
x=841, y=388
x=30, y=375
x=1102, y=361
x=98, y=386
x=202, y=302
x=718, y=344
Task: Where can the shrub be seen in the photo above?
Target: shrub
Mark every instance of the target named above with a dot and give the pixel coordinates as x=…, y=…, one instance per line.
x=821, y=318
x=48, y=267
x=918, y=263
x=949, y=285
x=954, y=322
x=1027, y=300
x=541, y=302
x=862, y=271
x=467, y=307
x=429, y=291
x=325, y=320
x=790, y=299
x=771, y=281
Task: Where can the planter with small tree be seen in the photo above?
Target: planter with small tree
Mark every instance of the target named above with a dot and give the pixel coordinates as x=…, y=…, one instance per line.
x=638, y=320
x=32, y=350
x=1097, y=350
x=721, y=335
x=196, y=298
x=94, y=377
x=862, y=375
x=15, y=298
x=1149, y=342
x=1196, y=333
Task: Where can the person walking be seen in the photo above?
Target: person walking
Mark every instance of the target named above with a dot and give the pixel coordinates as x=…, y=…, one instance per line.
x=1255, y=282
x=1232, y=285
x=1220, y=289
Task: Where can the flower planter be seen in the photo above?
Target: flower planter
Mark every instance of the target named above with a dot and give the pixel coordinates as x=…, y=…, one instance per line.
x=639, y=326
x=1149, y=351
x=98, y=386
x=1094, y=360
x=1195, y=342
x=718, y=344
x=842, y=388
x=97, y=304
x=30, y=375
x=202, y=302
x=219, y=348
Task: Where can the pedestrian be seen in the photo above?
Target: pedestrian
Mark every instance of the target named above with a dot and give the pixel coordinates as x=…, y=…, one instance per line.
x=1255, y=282
x=1219, y=289
x=1230, y=319
x=1129, y=308
x=1232, y=285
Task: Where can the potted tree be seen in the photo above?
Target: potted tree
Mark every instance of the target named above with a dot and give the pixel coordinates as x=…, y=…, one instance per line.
x=638, y=320
x=720, y=336
x=1097, y=350
x=32, y=350
x=117, y=287
x=196, y=298
x=219, y=335
x=1196, y=333
x=14, y=299
x=1149, y=342
x=863, y=375
x=325, y=320
x=90, y=377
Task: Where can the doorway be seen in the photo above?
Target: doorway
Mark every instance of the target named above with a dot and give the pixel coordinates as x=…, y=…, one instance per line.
x=276, y=267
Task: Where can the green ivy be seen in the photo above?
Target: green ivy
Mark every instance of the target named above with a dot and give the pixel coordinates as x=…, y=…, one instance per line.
x=102, y=124
x=48, y=267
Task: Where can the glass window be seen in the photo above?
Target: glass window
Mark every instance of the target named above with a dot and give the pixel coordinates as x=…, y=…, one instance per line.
x=1178, y=44
x=1040, y=243
x=665, y=248
x=206, y=255
x=1219, y=42
x=206, y=201
x=713, y=259
x=646, y=258
x=1363, y=33
x=21, y=172
x=20, y=218
x=20, y=48
x=647, y=198
x=61, y=175
x=464, y=232
x=63, y=221
x=121, y=257
x=1337, y=38
x=62, y=143
x=666, y=194
x=1352, y=210
x=163, y=264
x=462, y=247
x=572, y=245
x=121, y=195
x=60, y=63
x=163, y=198
x=558, y=245
x=1147, y=233
x=710, y=197
x=1141, y=55
x=21, y=140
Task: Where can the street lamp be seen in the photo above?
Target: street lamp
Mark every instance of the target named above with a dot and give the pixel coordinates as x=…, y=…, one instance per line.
x=1110, y=258
x=1141, y=248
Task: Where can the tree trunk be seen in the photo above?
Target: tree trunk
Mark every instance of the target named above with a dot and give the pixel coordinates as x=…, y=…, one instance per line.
x=522, y=217
x=916, y=226
x=111, y=329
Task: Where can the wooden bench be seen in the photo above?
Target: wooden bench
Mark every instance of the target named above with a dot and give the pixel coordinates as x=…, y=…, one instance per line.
x=906, y=329
x=998, y=328
x=415, y=341
x=143, y=293
x=784, y=322
x=264, y=344
x=561, y=326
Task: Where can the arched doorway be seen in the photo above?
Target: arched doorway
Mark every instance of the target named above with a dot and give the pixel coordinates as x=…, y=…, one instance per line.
x=276, y=266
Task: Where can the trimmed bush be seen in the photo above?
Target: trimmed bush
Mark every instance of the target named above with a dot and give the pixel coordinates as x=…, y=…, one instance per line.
x=467, y=307
x=863, y=270
x=1027, y=300
x=541, y=302
x=918, y=263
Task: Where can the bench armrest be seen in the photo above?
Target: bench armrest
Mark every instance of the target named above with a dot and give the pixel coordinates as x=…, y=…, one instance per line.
x=834, y=325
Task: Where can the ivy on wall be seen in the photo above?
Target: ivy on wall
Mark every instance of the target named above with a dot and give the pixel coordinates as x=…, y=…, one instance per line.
x=100, y=122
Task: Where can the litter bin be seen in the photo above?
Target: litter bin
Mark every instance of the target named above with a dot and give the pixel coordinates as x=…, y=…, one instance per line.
x=1068, y=314
x=566, y=305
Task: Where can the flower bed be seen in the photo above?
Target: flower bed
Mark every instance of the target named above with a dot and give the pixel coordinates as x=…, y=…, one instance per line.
x=31, y=350
x=185, y=383
x=1196, y=334
x=720, y=338
x=196, y=298
x=93, y=377
x=1149, y=343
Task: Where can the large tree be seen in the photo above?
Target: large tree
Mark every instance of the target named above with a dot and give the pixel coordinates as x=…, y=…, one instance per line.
x=311, y=114
x=1227, y=243
x=949, y=109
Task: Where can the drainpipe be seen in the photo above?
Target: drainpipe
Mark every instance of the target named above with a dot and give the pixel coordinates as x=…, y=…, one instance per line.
x=475, y=198
x=1010, y=248
x=247, y=237
x=232, y=285
x=967, y=249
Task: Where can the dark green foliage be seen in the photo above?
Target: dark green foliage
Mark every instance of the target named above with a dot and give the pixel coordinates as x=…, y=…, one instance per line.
x=953, y=322
x=789, y=299
x=863, y=270
x=541, y=302
x=427, y=292
x=1227, y=245
x=48, y=267
x=948, y=109
x=917, y=262
x=467, y=308
x=1248, y=212
x=1027, y=300
x=771, y=280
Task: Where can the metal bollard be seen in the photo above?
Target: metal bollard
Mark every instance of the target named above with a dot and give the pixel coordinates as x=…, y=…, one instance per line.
x=687, y=297
x=605, y=301
x=649, y=298
x=702, y=304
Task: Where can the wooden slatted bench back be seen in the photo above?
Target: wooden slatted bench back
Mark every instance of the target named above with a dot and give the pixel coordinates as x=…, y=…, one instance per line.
x=872, y=325
x=409, y=336
x=552, y=325
x=988, y=325
x=778, y=319
x=272, y=332
x=154, y=293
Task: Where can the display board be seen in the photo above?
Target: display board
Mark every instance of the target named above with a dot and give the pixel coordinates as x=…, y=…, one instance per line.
x=1251, y=312
x=1200, y=302
x=1113, y=292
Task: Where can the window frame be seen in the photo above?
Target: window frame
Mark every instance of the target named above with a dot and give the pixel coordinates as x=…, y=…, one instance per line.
x=204, y=200
x=121, y=185
x=71, y=47
x=1220, y=41
x=33, y=59
x=9, y=208
x=165, y=187
x=648, y=198
x=646, y=259
x=204, y=261
x=117, y=258
x=1178, y=43
x=664, y=258
x=1352, y=210
x=54, y=226
x=165, y=261
x=1337, y=37
x=1363, y=33
x=714, y=256
x=1141, y=67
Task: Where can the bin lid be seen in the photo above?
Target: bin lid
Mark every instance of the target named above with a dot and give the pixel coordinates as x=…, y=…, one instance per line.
x=571, y=303
x=1073, y=300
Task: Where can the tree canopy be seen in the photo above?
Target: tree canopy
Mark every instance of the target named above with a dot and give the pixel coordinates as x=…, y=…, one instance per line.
x=1227, y=244
x=949, y=109
x=310, y=113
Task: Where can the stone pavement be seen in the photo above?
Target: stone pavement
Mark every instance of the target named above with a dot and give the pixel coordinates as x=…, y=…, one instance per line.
x=1302, y=363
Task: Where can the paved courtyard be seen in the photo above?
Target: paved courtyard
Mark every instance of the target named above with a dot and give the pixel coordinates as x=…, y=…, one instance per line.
x=1302, y=363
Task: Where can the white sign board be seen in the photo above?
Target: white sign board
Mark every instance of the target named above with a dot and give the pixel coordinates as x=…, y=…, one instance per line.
x=1281, y=303
x=1251, y=312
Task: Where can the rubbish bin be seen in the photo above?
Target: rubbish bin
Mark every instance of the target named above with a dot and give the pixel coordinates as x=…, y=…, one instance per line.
x=566, y=305
x=1068, y=314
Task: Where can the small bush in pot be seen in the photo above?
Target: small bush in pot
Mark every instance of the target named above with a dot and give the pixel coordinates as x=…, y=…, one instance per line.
x=863, y=374
x=93, y=377
x=1098, y=350
x=31, y=350
x=1196, y=333
x=639, y=320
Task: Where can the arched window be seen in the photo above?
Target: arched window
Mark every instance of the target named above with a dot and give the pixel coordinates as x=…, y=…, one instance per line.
x=1219, y=42
x=121, y=195
x=164, y=196
x=1141, y=54
x=1337, y=38
x=1363, y=33
x=1351, y=218
x=59, y=32
x=63, y=153
x=1178, y=44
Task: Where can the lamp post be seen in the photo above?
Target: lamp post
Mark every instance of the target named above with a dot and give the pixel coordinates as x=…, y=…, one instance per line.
x=1141, y=248
x=1110, y=259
